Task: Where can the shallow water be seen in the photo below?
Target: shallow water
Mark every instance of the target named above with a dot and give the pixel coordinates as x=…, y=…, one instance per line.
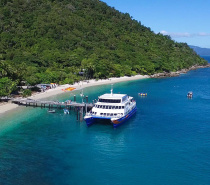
x=166, y=142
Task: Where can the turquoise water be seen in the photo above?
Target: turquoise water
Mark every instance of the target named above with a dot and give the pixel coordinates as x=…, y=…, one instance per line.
x=167, y=142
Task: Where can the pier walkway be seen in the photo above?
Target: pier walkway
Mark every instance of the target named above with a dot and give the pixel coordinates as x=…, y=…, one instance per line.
x=70, y=105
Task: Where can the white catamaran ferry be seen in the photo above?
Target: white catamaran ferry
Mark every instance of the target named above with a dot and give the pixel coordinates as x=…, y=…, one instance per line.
x=115, y=108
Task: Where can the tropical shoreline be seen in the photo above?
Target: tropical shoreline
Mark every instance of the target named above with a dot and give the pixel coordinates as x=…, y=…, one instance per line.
x=5, y=107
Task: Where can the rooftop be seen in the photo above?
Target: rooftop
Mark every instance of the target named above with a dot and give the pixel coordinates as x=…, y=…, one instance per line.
x=112, y=96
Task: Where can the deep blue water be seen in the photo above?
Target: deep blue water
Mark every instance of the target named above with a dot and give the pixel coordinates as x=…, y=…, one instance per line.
x=167, y=142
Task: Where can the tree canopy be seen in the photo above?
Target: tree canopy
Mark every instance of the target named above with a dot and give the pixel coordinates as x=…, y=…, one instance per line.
x=43, y=41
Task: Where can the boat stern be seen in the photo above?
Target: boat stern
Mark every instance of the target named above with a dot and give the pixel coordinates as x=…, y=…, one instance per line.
x=116, y=122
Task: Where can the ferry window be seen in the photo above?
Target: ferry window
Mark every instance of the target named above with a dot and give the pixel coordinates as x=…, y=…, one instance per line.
x=111, y=114
x=103, y=106
x=110, y=100
x=108, y=114
x=123, y=107
x=106, y=107
x=104, y=114
x=115, y=114
x=116, y=107
x=110, y=107
x=119, y=107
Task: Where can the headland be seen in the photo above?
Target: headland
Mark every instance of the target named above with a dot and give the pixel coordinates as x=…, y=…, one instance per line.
x=177, y=73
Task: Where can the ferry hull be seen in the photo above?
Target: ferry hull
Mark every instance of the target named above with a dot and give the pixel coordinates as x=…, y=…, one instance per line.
x=116, y=122
x=89, y=120
x=92, y=119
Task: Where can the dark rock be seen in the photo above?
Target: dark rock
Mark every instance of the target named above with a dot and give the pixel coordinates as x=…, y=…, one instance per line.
x=177, y=73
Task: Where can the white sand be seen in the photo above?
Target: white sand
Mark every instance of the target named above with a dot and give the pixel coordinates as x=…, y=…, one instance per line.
x=7, y=106
x=82, y=84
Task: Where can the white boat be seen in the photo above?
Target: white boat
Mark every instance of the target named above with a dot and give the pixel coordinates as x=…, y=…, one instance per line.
x=190, y=94
x=116, y=108
x=51, y=111
x=66, y=111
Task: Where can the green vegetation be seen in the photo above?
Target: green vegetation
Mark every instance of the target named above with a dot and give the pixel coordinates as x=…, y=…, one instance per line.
x=6, y=86
x=43, y=41
x=26, y=92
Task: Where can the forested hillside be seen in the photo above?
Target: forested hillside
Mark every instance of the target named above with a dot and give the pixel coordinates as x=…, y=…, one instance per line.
x=52, y=40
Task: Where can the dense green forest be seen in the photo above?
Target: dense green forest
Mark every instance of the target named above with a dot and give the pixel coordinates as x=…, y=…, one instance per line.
x=43, y=41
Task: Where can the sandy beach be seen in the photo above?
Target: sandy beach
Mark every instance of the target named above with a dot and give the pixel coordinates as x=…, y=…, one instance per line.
x=59, y=90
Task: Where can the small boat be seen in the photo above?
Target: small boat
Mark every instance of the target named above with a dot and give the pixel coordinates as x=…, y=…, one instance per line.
x=51, y=111
x=142, y=94
x=112, y=108
x=66, y=111
x=190, y=94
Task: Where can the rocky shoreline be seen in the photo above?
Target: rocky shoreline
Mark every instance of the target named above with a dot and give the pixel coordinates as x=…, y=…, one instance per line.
x=177, y=73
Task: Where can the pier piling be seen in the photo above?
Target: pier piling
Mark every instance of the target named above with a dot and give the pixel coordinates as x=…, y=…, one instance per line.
x=77, y=114
x=81, y=114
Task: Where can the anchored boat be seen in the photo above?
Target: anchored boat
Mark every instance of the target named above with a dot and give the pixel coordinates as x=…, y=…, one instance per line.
x=51, y=111
x=190, y=94
x=66, y=111
x=115, y=108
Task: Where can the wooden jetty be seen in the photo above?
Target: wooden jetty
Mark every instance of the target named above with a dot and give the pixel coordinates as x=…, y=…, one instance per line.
x=80, y=108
